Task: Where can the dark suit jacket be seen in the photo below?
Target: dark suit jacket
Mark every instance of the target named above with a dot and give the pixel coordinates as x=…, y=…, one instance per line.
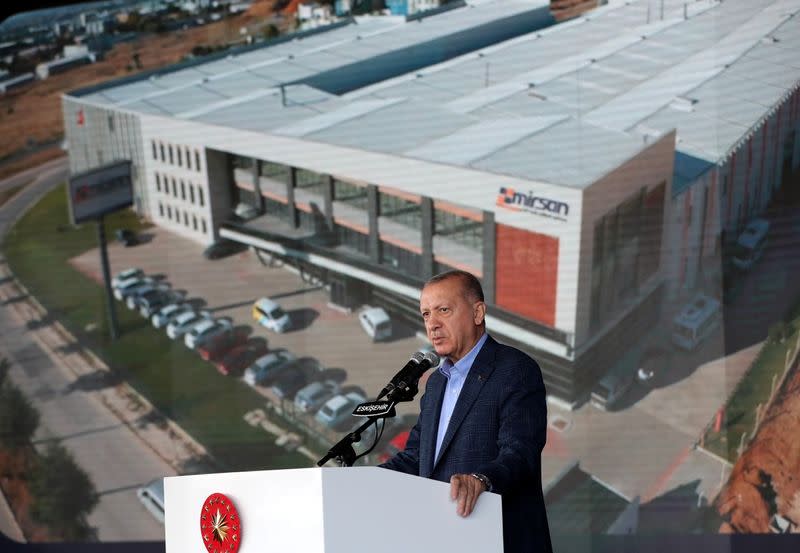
x=498, y=428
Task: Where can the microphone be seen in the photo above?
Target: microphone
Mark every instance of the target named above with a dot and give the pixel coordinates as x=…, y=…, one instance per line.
x=410, y=374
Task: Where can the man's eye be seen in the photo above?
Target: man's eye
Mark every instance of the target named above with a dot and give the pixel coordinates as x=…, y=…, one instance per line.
x=444, y=309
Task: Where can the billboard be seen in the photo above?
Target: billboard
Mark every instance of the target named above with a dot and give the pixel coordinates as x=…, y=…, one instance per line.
x=99, y=191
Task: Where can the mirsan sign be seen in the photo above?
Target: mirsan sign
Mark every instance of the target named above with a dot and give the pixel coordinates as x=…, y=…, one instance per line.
x=511, y=199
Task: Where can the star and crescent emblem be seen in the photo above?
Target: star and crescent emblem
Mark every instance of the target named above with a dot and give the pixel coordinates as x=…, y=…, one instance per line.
x=220, y=525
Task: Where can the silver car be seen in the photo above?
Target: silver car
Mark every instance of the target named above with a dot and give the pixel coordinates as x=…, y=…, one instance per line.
x=168, y=313
x=184, y=323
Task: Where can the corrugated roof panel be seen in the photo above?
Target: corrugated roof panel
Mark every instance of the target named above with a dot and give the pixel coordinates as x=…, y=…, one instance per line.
x=570, y=153
x=241, y=85
x=396, y=128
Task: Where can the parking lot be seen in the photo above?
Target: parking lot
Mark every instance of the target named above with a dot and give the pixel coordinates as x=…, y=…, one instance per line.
x=228, y=287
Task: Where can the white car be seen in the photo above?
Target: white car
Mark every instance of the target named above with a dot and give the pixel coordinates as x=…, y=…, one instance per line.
x=376, y=323
x=168, y=313
x=339, y=408
x=148, y=290
x=133, y=272
x=130, y=286
x=269, y=314
x=206, y=330
x=184, y=323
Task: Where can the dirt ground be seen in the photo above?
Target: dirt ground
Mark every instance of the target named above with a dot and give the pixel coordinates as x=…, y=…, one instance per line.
x=766, y=478
x=32, y=114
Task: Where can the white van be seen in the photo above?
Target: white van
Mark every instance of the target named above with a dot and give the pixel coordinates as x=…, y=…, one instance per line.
x=152, y=497
x=696, y=321
x=269, y=314
x=376, y=323
x=750, y=245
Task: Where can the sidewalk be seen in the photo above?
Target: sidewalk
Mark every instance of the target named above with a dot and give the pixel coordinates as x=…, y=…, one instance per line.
x=169, y=441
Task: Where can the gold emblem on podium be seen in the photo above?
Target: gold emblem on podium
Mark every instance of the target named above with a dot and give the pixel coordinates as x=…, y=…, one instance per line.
x=220, y=525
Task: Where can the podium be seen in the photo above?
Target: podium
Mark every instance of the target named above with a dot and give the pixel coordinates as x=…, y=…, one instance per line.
x=332, y=510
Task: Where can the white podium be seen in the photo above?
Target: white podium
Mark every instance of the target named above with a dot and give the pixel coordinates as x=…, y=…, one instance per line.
x=333, y=510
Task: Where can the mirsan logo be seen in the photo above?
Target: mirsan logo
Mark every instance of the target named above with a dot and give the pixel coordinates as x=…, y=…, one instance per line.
x=509, y=198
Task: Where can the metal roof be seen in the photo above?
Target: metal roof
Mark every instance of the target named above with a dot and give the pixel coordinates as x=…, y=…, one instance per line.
x=562, y=105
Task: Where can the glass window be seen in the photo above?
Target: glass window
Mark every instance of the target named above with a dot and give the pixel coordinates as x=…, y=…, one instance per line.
x=180, y=156
x=191, y=193
x=188, y=158
x=400, y=210
x=155, y=150
x=160, y=209
x=350, y=194
x=183, y=190
x=171, y=156
x=467, y=232
x=158, y=182
x=174, y=188
x=242, y=162
x=196, y=160
x=194, y=222
x=161, y=147
x=204, y=225
x=200, y=196
x=274, y=171
x=169, y=212
x=311, y=181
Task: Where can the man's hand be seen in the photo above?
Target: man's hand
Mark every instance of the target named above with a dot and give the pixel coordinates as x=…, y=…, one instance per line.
x=465, y=489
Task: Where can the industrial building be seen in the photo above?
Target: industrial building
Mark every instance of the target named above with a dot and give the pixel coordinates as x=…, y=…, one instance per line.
x=585, y=171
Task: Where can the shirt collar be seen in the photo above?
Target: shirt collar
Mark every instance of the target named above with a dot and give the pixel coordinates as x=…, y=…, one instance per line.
x=463, y=365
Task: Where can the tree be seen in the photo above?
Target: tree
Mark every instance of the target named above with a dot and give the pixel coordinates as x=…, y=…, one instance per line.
x=63, y=494
x=18, y=417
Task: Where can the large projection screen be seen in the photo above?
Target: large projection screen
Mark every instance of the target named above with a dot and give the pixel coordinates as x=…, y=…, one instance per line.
x=94, y=193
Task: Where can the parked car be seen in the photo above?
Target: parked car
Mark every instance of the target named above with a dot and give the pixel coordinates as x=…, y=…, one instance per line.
x=218, y=346
x=313, y=396
x=236, y=360
x=125, y=274
x=294, y=377
x=184, y=323
x=269, y=314
x=133, y=300
x=610, y=389
x=206, y=330
x=338, y=409
x=152, y=497
x=267, y=368
x=223, y=248
x=168, y=313
x=126, y=237
x=150, y=305
x=130, y=286
x=376, y=323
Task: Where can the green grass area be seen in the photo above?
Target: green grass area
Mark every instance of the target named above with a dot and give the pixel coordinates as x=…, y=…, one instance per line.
x=754, y=389
x=8, y=193
x=205, y=403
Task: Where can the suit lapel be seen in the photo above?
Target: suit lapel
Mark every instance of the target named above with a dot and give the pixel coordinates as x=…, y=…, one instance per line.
x=481, y=368
x=436, y=386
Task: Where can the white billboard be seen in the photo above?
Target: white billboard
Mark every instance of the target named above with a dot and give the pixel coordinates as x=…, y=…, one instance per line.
x=99, y=191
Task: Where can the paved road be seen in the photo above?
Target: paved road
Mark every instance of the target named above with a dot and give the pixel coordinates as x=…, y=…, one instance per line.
x=116, y=460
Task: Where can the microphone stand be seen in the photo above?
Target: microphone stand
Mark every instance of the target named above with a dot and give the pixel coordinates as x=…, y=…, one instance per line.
x=343, y=451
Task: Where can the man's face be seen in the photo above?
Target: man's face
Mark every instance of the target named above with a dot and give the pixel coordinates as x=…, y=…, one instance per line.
x=453, y=322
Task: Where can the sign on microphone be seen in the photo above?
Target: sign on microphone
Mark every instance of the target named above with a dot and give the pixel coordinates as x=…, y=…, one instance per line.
x=374, y=409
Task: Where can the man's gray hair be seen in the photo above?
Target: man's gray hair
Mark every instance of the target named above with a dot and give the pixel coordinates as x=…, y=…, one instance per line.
x=469, y=283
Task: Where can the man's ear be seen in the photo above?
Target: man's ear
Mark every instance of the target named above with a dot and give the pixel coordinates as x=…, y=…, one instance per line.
x=479, y=312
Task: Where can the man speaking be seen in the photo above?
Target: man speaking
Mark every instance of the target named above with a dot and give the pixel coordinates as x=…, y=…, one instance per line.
x=483, y=419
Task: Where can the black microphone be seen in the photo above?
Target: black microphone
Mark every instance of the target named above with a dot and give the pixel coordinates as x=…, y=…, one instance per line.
x=409, y=375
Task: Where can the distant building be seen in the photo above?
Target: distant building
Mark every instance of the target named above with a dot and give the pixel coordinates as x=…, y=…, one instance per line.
x=46, y=69
x=10, y=84
x=75, y=50
x=409, y=7
x=342, y=7
x=314, y=14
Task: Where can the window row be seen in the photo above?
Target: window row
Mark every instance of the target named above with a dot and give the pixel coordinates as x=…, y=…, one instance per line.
x=179, y=188
x=175, y=215
x=176, y=155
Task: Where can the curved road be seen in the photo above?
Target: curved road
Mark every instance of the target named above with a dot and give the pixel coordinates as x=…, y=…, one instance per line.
x=114, y=457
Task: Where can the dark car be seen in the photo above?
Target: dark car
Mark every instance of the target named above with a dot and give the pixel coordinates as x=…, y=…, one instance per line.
x=220, y=345
x=295, y=376
x=223, y=248
x=241, y=357
x=126, y=237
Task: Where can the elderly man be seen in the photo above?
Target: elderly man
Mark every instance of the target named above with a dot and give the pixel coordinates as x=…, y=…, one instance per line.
x=483, y=418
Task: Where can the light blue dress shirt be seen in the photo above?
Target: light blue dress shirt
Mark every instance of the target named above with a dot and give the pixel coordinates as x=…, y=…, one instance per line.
x=456, y=375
